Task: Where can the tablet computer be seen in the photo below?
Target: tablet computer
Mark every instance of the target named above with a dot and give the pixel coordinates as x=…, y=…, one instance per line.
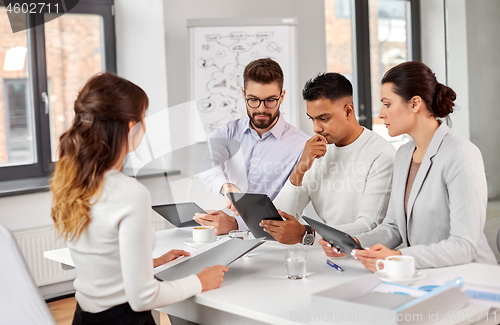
x=339, y=239
x=179, y=214
x=253, y=208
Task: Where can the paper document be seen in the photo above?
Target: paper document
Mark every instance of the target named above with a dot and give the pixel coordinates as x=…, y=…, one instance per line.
x=389, y=295
x=398, y=289
x=384, y=300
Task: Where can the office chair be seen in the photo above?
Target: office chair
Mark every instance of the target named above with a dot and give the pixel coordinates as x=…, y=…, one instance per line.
x=20, y=300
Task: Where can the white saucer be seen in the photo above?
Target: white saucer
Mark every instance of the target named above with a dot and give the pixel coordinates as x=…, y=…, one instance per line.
x=190, y=242
x=417, y=276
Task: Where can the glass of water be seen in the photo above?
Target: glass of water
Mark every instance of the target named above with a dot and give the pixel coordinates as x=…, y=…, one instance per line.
x=240, y=234
x=295, y=258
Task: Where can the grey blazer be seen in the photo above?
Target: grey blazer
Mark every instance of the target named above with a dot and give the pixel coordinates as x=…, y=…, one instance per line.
x=446, y=207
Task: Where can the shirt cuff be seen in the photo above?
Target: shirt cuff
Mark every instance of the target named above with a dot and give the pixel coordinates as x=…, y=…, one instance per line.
x=241, y=224
x=290, y=190
x=217, y=185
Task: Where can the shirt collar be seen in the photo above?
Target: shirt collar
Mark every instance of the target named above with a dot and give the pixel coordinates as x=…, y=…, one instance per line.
x=277, y=130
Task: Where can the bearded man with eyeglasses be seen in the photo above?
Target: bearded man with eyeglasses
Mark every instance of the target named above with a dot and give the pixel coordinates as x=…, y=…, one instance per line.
x=268, y=146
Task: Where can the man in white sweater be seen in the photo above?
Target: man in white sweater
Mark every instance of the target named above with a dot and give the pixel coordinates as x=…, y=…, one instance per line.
x=345, y=170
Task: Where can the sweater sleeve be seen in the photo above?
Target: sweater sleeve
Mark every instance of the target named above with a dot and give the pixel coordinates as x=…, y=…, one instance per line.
x=292, y=199
x=386, y=233
x=143, y=291
x=375, y=197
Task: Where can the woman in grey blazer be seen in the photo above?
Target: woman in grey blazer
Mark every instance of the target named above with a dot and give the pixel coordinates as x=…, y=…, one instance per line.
x=437, y=208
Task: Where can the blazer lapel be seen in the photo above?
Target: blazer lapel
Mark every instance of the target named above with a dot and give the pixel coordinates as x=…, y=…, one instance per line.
x=401, y=191
x=432, y=150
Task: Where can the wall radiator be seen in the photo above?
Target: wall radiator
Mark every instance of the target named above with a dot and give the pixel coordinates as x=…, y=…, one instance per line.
x=33, y=242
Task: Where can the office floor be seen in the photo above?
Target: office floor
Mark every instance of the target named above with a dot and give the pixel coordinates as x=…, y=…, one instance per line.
x=62, y=311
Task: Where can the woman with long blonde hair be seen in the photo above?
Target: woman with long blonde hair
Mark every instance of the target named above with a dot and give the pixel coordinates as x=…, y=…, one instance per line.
x=104, y=215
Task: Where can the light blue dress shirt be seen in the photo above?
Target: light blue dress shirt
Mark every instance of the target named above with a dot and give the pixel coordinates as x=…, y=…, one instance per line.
x=261, y=165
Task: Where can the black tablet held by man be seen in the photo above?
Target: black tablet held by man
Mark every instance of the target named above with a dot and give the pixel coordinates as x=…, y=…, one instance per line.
x=253, y=208
x=339, y=239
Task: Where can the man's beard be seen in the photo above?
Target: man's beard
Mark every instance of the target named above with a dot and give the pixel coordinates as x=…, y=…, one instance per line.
x=263, y=124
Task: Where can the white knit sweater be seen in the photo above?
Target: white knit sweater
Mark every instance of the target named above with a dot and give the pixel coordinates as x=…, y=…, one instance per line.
x=349, y=187
x=113, y=258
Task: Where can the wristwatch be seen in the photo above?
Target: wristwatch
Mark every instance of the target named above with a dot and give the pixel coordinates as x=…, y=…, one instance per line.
x=308, y=238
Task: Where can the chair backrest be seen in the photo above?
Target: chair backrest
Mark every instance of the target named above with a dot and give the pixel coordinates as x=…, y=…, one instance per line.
x=20, y=300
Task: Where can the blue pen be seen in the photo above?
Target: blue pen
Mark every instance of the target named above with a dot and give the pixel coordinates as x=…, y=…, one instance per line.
x=335, y=266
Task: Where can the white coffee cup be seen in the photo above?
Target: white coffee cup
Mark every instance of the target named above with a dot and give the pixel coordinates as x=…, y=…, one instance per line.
x=398, y=267
x=203, y=234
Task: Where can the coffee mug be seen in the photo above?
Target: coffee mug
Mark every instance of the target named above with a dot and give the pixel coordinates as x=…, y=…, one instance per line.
x=398, y=267
x=203, y=234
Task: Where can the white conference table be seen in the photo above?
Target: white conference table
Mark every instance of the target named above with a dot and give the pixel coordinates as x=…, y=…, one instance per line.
x=257, y=291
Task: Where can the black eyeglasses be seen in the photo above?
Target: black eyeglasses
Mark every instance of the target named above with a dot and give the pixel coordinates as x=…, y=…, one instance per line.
x=268, y=102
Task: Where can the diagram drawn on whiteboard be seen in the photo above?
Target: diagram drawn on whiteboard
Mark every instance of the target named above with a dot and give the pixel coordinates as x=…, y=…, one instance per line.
x=220, y=55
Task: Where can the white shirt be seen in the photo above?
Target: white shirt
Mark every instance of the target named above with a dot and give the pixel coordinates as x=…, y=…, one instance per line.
x=349, y=187
x=113, y=258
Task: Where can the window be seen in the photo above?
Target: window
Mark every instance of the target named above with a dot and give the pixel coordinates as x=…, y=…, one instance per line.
x=366, y=40
x=343, y=9
x=339, y=20
x=19, y=148
x=80, y=51
x=16, y=107
x=41, y=71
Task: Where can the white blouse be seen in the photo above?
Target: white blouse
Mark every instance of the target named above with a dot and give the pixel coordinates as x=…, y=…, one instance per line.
x=113, y=256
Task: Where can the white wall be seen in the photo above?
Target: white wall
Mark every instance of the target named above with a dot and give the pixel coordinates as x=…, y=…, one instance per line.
x=140, y=54
x=472, y=64
x=140, y=48
x=483, y=48
x=457, y=59
x=444, y=50
x=433, y=37
x=26, y=211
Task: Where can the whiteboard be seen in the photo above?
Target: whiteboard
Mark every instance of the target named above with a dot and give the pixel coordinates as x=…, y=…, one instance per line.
x=219, y=51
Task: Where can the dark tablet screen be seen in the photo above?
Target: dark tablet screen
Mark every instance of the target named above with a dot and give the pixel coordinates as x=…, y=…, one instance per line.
x=179, y=214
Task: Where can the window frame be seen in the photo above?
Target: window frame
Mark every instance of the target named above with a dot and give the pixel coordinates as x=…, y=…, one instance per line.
x=37, y=79
x=363, y=65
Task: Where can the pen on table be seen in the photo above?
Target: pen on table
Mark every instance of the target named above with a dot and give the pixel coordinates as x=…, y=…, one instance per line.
x=335, y=266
